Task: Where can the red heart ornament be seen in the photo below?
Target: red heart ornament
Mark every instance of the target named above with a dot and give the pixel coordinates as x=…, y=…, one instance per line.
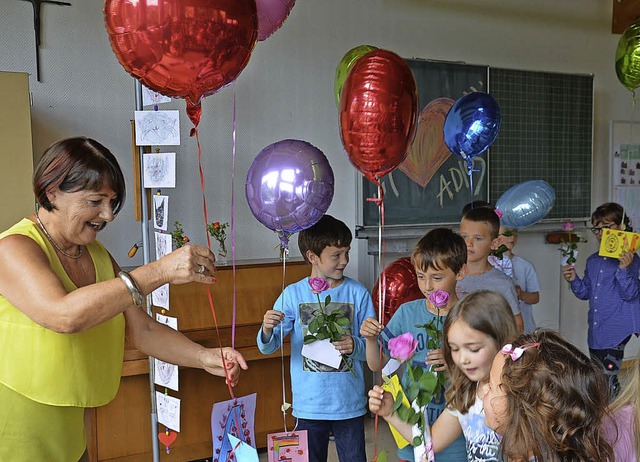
x=428, y=151
x=167, y=439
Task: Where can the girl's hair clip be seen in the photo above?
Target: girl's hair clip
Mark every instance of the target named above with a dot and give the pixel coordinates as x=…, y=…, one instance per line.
x=516, y=352
x=499, y=213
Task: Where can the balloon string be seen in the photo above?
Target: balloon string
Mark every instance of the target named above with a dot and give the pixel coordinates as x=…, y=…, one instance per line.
x=209, y=297
x=381, y=293
x=282, y=373
x=626, y=192
x=233, y=227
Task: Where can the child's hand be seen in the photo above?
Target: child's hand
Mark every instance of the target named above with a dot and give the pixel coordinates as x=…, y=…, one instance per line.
x=271, y=319
x=626, y=257
x=344, y=345
x=569, y=272
x=371, y=328
x=436, y=358
x=380, y=401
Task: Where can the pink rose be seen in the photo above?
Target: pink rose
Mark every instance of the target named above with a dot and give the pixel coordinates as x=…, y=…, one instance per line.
x=318, y=285
x=439, y=298
x=402, y=347
x=568, y=226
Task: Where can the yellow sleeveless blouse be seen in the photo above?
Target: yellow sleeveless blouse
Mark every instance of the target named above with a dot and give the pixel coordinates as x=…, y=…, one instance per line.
x=47, y=378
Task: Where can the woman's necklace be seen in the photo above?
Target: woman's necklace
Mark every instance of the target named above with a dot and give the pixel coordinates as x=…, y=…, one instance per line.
x=46, y=233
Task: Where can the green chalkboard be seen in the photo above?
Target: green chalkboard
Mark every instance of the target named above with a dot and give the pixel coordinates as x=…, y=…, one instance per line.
x=546, y=134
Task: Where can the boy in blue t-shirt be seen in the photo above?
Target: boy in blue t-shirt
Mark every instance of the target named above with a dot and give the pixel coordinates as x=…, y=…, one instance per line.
x=325, y=400
x=439, y=259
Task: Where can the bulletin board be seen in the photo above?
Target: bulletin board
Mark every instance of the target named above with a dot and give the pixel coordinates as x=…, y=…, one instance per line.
x=625, y=167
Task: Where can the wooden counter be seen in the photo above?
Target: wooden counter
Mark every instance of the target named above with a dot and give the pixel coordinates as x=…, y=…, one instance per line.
x=121, y=431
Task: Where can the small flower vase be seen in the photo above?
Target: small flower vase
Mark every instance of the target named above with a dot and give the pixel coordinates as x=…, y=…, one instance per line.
x=221, y=254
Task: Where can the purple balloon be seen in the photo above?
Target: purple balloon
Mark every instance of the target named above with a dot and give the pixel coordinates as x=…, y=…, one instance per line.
x=289, y=187
x=271, y=15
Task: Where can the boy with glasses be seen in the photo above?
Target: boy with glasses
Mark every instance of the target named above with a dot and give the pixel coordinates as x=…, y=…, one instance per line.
x=612, y=287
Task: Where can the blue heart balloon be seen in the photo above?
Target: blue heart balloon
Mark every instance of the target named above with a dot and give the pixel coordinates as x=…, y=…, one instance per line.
x=472, y=125
x=526, y=203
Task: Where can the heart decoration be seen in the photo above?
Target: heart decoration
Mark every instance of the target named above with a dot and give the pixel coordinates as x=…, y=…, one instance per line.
x=428, y=152
x=167, y=438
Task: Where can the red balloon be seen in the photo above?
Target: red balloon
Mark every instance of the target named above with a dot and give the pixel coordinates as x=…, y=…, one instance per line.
x=378, y=113
x=401, y=286
x=183, y=48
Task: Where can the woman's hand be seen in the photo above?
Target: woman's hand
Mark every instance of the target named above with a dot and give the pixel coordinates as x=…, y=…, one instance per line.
x=212, y=362
x=380, y=401
x=191, y=263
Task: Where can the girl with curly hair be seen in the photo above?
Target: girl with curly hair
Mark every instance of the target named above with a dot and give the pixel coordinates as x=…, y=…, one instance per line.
x=474, y=331
x=548, y=401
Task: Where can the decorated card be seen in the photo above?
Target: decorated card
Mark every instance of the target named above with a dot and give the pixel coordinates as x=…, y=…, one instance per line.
x=235, y=417
x=289, y=447
x=166, y=375
x=153, y=98
x=157, y=128
x=160, y=212
x=393, y=386
x=168, y=411
x=614, y=242
x=159, y=170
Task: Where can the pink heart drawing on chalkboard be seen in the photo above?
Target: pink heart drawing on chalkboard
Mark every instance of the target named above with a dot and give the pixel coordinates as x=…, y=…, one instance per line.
x=428, y=152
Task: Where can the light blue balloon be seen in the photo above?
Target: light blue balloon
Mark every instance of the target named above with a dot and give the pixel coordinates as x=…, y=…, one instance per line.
x=526, y=203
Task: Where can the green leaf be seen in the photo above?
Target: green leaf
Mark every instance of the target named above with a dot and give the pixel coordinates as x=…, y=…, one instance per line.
x=337, y=328
x=417, y=372
x=309, y=339
x=397, y=403
x=405, y=413
x=314, y=326
x=327, y=300
x=417, y=441
x=412, y=392
x=322, y=336
x=343, y=321
x=414, y=419
x=428, y=382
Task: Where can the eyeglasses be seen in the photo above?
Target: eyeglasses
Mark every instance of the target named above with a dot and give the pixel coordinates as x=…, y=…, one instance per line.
x=598, y=229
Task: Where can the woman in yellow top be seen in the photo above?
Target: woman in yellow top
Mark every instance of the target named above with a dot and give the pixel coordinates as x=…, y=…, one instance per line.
x=65, y=307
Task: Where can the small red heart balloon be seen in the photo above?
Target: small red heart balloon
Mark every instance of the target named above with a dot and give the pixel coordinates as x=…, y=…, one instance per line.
x=183, y=48
x=378, y=112
x=401, y=286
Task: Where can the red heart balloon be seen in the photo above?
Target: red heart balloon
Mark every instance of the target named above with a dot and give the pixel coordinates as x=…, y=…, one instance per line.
x=167, y=440
x=378, y=112
x=183, y=48
x=401, y=286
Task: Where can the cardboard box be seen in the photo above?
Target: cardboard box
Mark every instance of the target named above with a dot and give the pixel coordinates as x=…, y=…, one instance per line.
x=615, y=241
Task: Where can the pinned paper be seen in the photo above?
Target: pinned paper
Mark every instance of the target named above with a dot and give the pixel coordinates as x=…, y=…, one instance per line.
x=615, y=241
x=168, y=411
x=242, y=451
x=159, y=170
x=323, y=352
x=157, y=128
x=160, y=212
x=290, y=447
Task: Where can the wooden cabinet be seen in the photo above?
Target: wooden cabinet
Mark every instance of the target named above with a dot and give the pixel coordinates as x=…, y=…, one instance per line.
x=16, y=195
x=121, y=431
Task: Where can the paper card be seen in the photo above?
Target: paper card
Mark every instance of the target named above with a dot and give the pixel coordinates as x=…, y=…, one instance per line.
x=165, y=374
x=168, y=320
x=242, y=451
x=157, y=128
x=151, y=97
x=164, y=245
x=323, y=352
x=160, y=297
x=615, y=241
x=290, y=447
x=159, y=170
x=236, y=417
x=168, y=411
x=391, y=367
x=160, y=212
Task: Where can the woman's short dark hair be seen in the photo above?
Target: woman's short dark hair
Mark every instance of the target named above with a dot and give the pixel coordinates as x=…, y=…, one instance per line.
x=78, y=164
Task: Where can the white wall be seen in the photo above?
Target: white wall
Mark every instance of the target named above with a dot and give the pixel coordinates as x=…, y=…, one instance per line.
x=286, y=91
